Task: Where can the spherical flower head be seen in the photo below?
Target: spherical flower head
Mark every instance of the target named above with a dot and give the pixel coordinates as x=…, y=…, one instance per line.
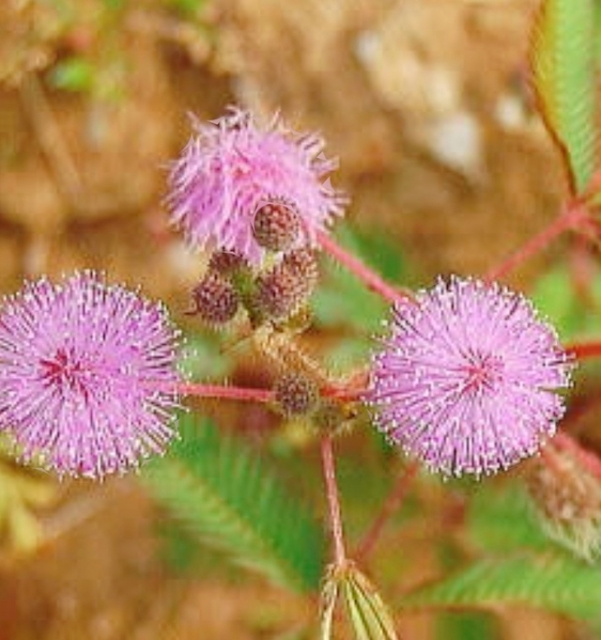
x=232, y=167
x=467, y=378
x=87, y=373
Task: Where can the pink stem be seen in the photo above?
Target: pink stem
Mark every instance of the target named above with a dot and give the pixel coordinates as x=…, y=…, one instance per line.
x=574, y=215
x=352, y=390
x=370, y=278
x=245, y=394
x=389, y=508
x=329, y=474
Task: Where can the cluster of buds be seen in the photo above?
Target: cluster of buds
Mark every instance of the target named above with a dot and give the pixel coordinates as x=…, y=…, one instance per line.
x=271, y=293
x=568, y=499
x=258, y=194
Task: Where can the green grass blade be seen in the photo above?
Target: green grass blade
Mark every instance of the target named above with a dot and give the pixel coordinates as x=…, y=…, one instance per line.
x=563, y=61
x=221, y=493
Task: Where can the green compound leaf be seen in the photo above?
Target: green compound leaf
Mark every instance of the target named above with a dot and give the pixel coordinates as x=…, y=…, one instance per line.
x=552, y=581
x=221, y=493
x=369, y=615
x=563, y=61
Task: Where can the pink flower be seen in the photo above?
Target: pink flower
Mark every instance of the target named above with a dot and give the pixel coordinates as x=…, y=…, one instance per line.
x=467, y=379
x=87, y=373
x=232, y=166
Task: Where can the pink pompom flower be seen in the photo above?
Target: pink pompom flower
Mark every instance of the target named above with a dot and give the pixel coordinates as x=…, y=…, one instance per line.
x=87, y=373
x=467, y=378
x=233, y=166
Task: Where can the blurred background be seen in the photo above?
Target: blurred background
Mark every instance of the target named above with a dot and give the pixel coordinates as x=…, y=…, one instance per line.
x=427, y=105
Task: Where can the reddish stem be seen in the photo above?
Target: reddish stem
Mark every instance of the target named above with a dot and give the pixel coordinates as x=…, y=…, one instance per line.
x=370, y=278
x=588, y=460
x=389, y=508
x=246, y=394
x=574, y=216
x=354, y=388
x=335, y=513
x=349, y=392
x=583, y=350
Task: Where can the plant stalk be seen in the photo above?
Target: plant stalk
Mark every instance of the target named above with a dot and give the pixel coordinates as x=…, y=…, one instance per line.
x=584, y=350
x=333, y=498
x=370, y=278
x=245, y=394
x=573, y=216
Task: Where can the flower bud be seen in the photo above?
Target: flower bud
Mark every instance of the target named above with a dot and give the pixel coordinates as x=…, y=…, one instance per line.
x=216, y=301
x=281, y=292
x=568, y=499
x=227, y=263
x=333, y=418
x=302, y=263
x=276, y=225
x=296, y=394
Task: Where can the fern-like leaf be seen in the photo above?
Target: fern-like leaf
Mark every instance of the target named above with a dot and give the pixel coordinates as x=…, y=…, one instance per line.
x=554, y=581
x=221, y=493
x=563, y=61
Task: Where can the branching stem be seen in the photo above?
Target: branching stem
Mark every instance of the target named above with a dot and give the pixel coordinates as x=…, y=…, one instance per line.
x=574, y=216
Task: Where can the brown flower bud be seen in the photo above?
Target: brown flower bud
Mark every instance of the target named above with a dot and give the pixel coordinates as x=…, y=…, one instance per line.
x=282, y=291
x=227, y=263
x=216, y=301
x=333, y=417
x=296, y=394
x=302, y=263
x=276, y=225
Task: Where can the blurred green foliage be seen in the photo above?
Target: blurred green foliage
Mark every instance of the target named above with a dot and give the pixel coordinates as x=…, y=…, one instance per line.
x=223, y=494
x=466, y=626
x=75, y=73
x=572, y=314
x=501, y=518
x=188, y=8
x=342, y=301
